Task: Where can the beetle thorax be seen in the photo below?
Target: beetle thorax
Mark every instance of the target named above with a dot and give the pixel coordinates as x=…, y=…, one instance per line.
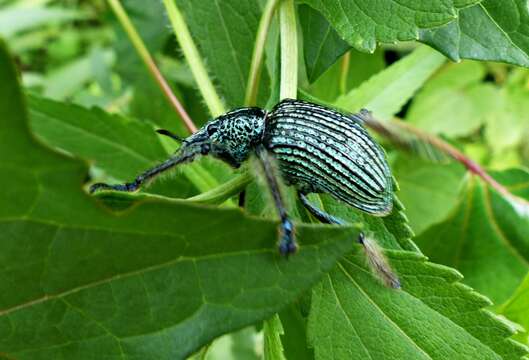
x=237, y=133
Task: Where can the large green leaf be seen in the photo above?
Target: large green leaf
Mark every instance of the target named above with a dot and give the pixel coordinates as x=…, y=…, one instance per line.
x=365, y=23
x=508, y=125
x=19, y=18
x=517, y=308
x=485, y=237
x=428, y=191
x=321, y=44
x=473, y=29
x=273, y=329
x=432, y=317
x=121, y=147
x=491, y=30
x=156, y=281
x=386, y=92
x=225, y=32
x=455, y=102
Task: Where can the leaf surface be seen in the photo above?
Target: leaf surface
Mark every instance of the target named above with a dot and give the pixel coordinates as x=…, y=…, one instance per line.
x=386, y=92
x=484, y=237
x=432, y=317
x=428, y=191
x=121, y=147
x=455, y=102
x=321, y=44
x=273, y=329
x=491, y=30
x=365, y=23
x=517, y=309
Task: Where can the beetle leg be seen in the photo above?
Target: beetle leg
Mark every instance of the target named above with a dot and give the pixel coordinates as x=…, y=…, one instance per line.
x=376, y=259
x=319, y=214
x=142, y=178
x=287, y=243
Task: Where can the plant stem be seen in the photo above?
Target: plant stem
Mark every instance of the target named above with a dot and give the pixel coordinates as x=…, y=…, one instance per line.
x=444, y=147
x=183, y=36
x=289, y=50
x=224, y=191
x=257, y=58
x=344, y=73
x=147, y=59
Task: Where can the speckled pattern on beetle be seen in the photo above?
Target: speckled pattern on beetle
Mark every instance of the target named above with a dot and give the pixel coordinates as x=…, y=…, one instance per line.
x=318, y=150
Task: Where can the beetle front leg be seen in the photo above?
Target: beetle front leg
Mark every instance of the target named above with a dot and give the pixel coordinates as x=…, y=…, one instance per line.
x=146, y=176
x=287, y=242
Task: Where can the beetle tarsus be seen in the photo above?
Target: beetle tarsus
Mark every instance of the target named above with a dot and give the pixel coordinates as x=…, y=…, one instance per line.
x=287, y=244
x=128, y=187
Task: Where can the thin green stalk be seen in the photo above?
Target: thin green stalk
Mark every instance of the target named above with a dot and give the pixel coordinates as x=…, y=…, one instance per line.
x=289, y=50
x=257, y=58
x=386, y=129
x=224, y=191
x=147, y=59
x=183, y=36
x=344, y=73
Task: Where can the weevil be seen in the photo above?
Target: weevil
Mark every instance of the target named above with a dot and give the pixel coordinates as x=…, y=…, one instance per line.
x=317, y=149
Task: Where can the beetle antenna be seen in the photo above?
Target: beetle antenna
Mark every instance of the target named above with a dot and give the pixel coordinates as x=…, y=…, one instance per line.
x=171, y=135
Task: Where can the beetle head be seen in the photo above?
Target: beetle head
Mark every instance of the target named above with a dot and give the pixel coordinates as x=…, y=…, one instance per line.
x=229, y=137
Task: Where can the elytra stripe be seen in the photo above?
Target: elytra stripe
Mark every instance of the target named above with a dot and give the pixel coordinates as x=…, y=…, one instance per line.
x=350, y=168
x=348, y=133
x=285, y=153
x=343, y=150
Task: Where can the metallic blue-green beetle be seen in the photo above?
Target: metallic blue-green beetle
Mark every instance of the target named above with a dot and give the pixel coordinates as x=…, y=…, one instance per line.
x=318, y=150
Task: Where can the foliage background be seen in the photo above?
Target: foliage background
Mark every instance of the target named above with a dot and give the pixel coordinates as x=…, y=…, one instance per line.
x=165, y=277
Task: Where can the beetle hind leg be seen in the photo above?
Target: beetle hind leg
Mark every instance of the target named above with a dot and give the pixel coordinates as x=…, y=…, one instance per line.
x=375, y=258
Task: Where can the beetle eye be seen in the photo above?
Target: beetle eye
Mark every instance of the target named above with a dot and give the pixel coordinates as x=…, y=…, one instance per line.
x=212, y=129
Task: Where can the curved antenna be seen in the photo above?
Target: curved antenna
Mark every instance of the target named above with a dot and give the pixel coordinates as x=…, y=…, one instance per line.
x=171, y=135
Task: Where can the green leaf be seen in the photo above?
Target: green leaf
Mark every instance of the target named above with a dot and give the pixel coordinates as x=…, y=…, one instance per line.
x=156, y=281
x=432, y=317
x=460, y=4
x=321, y=44
x=334, y=82
x=490, y=30
x=70, y=78
x=121, y=147
x=454, y=102
x=517, y=308
x=19, y=18
x=273, y=329
x=225, y=32
x=507, y=126
x=386, y=92
x=484, y=237
x=242, y=344
x=363, y=24
x=428, y=191
x=295, y=338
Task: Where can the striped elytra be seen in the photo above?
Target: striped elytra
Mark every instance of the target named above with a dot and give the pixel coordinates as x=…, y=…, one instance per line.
x=321, y=150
